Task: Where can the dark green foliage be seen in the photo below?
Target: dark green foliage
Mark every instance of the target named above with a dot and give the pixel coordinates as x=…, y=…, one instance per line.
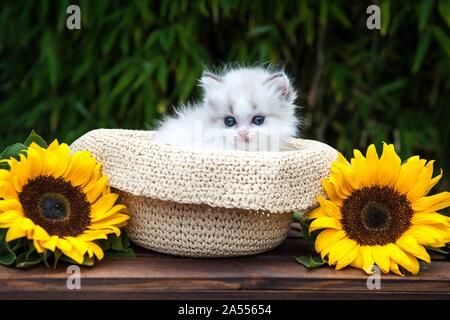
x=133, y=60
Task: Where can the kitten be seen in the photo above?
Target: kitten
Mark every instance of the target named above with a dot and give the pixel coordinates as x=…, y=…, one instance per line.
x=249, y=109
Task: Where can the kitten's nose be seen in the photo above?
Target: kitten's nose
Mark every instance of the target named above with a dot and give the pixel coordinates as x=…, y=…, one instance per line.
x=243, y=134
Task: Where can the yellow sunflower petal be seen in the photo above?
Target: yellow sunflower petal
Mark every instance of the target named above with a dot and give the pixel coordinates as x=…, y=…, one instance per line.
x=114, y=210
x=409, y=172
x=403, y=258
x=315, y=213
x=330, y=190
x=366, y=168
x=40, y=234
x=357, y=262
x=323, y=223
x=329, y=208
x=348, y=258
x=381, y=258
x=104, y=204
x=9, y=217
x=79, y=245
x=421, y=185
x=390, y=164
x=327, y=238
x=413, y=267
x=428, y=235
x=340, y=249
x=433, y=182
x=366, y=258
x=64, y=245
x=37, y=244
x=74, y=254
x=80, y=168
x=410, y=245
x=430, y=218
x=4, y=174
x=7, y=190
x=92, y=236
x=348, y=175
x=16, y=231
x=51, y=243
x=10, y=204
x=338, y=180
x=96, y=191
x=432, y=203
x=395, y=269
x=34, y=161
x=96, y=249
x=113, y=220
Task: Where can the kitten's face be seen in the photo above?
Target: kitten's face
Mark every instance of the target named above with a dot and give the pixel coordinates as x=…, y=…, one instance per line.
x=250, y=109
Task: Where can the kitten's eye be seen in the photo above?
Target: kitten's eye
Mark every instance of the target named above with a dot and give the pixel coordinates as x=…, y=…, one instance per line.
x=258, y=120
x=229, y=121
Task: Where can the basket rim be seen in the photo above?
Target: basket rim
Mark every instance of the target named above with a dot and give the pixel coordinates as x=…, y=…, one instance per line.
x=283, y=181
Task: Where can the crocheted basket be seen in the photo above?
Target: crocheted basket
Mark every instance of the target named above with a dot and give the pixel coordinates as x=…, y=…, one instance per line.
x=214, y=203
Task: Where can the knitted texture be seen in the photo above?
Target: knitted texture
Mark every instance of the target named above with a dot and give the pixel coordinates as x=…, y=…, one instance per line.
x=214, y=203
x=202, y=231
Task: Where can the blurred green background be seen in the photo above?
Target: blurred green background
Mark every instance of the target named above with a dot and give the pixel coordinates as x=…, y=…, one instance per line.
x=132, y=61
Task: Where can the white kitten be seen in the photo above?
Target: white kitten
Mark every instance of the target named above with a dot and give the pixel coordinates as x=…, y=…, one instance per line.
x=250, y=109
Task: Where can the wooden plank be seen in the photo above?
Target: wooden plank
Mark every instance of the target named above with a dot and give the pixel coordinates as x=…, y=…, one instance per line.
x=274, y=275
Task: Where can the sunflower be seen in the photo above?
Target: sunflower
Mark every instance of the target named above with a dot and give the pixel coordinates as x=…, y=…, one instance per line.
x=378, y=212
x=59, y=201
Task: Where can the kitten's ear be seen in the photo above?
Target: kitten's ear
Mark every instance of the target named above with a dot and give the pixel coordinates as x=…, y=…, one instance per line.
x=282, y=85
x=209, y=80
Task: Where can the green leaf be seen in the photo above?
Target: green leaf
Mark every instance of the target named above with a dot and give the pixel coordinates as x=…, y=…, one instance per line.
x=438, y=250
x=340, y=16
x=56, y=256
x=125, y=254
x=105, y=244
x=385, y=12
x=310, y=262
x=28, y=259
x=421, y=51
x=297, y=215
x=34, y=137
x=442, y=38
x=116, y=244
x=4, y=166
x=444, y=10
x=424, y=10
x=7, y=256
x=260, y=30
x=13, y=151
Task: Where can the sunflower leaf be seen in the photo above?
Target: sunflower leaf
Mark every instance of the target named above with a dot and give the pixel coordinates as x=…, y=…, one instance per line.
x=13, y=151
x=438, y=250
x=34, y=137
x=116, y=244
x=310, y=262
x=7, y=256
x=4, y=165
x=56, y=256
x=28, y=259
x=125, y=254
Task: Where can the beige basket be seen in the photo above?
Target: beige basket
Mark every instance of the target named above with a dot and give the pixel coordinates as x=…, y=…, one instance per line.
x=200, y=203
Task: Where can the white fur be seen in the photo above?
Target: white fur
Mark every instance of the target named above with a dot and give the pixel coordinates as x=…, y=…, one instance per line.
x=242, y=93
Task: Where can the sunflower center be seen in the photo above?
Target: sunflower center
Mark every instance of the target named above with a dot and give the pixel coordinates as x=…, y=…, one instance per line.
x=55, y=205
x=376, y=215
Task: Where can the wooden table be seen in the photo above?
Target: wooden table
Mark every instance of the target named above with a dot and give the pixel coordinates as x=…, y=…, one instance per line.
x=272, y=275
